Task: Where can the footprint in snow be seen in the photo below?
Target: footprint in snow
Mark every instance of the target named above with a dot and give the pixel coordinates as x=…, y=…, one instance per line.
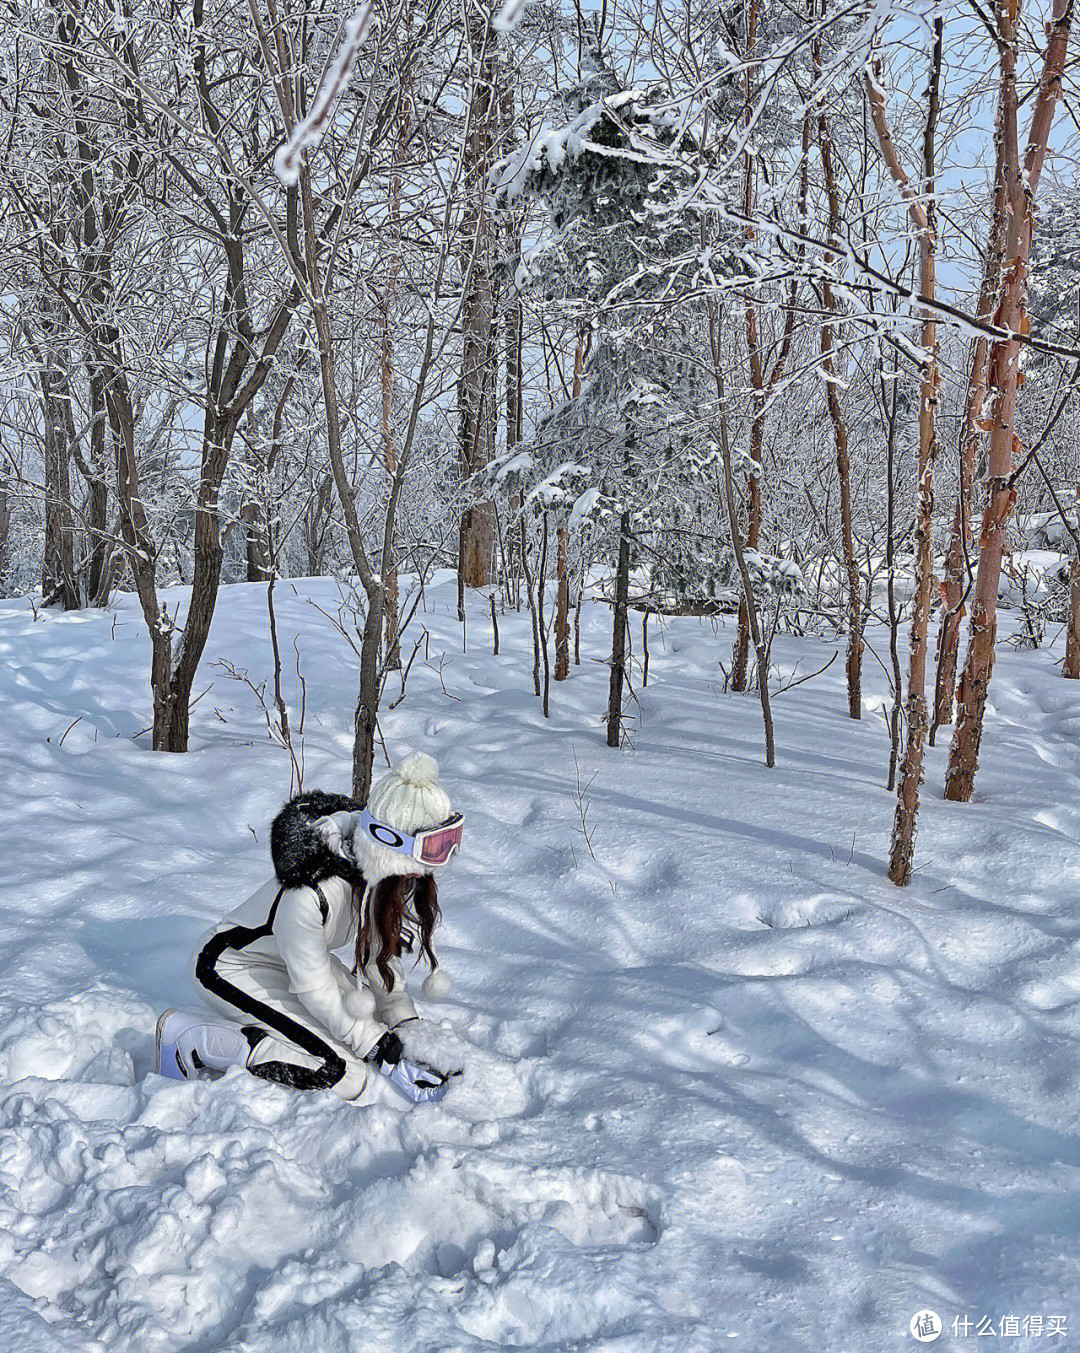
x=790, y=912
x=696, y=1042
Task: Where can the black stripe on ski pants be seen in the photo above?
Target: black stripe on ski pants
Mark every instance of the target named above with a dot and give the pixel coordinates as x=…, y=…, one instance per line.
x=332, y=1067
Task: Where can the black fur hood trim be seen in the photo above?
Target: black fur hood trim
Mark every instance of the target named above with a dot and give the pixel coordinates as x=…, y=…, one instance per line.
x=301, y=857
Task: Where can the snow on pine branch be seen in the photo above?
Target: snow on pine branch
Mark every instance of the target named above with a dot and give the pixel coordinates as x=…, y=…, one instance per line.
x=629, y=112
x=311, y=130
x=549, y=146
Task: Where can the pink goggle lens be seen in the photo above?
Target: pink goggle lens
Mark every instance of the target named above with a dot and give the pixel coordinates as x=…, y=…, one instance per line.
x=438, y=846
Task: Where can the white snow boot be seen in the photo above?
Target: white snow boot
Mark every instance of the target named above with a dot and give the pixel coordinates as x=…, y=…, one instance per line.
x=188, y=1044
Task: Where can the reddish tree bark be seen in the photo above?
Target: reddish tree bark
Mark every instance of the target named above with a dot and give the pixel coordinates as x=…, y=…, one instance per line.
x=971, y=435
x=920, y=206
x=1003, y=373
x=840, y=438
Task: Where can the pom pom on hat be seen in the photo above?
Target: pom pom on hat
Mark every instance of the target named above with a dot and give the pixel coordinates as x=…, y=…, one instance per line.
x=409, y=796
x=419, y=770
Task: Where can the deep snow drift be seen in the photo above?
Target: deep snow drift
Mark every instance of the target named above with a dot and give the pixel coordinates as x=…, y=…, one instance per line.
x=726, y=1086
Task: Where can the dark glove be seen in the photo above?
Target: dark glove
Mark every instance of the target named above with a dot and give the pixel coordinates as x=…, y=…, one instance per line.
x=387, y=1051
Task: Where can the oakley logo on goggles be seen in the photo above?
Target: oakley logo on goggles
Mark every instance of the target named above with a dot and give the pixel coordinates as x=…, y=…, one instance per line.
x=432, y=847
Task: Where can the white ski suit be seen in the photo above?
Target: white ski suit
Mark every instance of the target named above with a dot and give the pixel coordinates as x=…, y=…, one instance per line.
x=271, y=966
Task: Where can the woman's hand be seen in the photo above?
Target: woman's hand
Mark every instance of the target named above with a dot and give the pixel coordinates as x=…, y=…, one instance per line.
x=417, y=1081
x=386, y=1052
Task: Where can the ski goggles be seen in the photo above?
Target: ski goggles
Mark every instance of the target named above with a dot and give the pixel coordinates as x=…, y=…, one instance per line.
x=434, y=846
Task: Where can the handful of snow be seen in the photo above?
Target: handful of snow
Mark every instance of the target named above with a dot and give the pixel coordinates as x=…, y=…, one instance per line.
x=435, y=1044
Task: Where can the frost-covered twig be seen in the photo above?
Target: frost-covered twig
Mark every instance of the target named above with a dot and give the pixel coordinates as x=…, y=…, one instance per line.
x=509, y=16
x=310, y=131
x=581, y=801
x=285, y=731
x=419, y=643
x=793, y=681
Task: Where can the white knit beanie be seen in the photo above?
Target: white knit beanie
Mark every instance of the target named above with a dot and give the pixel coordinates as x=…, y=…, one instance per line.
x=409, y=798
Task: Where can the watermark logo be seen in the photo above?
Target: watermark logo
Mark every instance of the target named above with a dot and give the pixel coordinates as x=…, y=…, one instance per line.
x=925, y=1326
x=1009, y=1326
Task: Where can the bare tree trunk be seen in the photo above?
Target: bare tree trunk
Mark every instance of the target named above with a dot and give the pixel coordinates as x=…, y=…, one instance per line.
x=390, y=462
x=761, y=652
x=514, y=325
x=256, y=549
x=840, y=436
x=1022, y=180
x=97, y=564
x=316, y=524
x=740, y=657
x=477, y=541
x=205, y=580
x=387, y=378
x=58, y=561
x=741, y=652
x=140, y=552
x=233, y=396
x=971, y=437
x=761, y=383
x=58, y=583
x=577, y=610
x=562, y=553
x=257, y=510
x=541, y=584
x=1071, y=666
x=853, y=665
x=5, y=525
x=367, y=703
x=889, y=399
x=618, y=635
x=252, y=514
x=921, y=208
x=948, y=646
x=562, y=604
x=530, y=593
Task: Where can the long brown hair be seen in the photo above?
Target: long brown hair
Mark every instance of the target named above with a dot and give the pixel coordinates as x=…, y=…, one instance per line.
x=404, y=909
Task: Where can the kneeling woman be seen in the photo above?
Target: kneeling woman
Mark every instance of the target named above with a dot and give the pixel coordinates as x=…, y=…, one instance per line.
x=347, y=878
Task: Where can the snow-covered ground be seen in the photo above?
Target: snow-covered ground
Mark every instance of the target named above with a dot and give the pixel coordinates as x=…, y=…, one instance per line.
x=726, y=1088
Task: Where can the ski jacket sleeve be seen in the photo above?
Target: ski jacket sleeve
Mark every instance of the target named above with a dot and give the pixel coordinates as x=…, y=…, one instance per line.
x=391, y=1007
x=301, y=941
